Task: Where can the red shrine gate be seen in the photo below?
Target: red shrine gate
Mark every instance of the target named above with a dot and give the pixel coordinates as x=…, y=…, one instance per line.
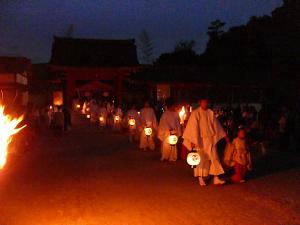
x=73, y=74
x=93, y=60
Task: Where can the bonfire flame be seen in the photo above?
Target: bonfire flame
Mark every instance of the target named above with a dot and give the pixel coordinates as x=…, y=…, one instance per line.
x=8, y=127
x=182, y=115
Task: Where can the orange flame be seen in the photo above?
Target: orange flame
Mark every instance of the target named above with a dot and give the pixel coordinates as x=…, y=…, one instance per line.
x=7, y=130
x=182, y=115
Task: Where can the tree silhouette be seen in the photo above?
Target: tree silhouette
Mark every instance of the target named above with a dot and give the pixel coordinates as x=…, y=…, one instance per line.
x=146, y=47
x=185, y=46
x=215, y=28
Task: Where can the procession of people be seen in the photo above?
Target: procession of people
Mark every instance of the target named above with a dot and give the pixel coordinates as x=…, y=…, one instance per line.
x=179, y=129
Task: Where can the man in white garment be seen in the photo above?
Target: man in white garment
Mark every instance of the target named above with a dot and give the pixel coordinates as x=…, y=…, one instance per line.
x=102, y=115
x=203, y=131
x=118, y=116
x=169, y=124
x=132, y=119
x=148, y=120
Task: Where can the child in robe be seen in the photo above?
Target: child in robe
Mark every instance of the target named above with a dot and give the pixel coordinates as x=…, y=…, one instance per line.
x=238, y=157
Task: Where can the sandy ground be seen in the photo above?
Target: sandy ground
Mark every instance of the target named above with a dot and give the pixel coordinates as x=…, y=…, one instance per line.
x=88, y=177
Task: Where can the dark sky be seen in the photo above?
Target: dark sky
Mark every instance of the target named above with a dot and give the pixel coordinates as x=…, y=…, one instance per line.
x=27, y=26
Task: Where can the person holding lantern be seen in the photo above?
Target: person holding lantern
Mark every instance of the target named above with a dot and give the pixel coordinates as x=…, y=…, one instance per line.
x=102, y=115
x=203, y=132
x=94, y=110
x=169, y=131
x=148, y=127
x=133, y=121
x=118, y=115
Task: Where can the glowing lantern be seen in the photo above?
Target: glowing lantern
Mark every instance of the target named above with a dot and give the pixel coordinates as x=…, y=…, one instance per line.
x=173, y=139
x=131, y=122
x=78, y=106
x=87, y=109
x=88, y=116
x=182, y=115
x=101, y=121
x=148, y=131
x=8, y=129
x=193, y=158
x=58, y=98
x=117, y=118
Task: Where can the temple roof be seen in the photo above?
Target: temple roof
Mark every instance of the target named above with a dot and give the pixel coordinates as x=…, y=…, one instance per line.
x=93, y=52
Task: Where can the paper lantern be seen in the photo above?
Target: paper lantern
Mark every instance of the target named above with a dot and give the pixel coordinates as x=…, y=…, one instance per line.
x=173, y=139
x=117, y=118
x=88, y=116
x=58, y=98
x=193, y=158
x=131, y=122
x=148, y=131
x=101, y=119
x=78, y=106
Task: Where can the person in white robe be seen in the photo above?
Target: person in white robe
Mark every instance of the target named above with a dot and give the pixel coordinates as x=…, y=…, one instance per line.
x=169, y=124
x=118, y=115
x=203, y=132
x=94, y=110
x=85, y=107
x=102, y=115
x=148, y=120
x=132, y=119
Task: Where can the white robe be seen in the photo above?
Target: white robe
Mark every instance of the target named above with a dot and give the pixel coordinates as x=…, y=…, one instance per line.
x=147, y=118
x=118, y=123
x=204, y=131
x=102, y=112
x=94, y=112
x=168, y=121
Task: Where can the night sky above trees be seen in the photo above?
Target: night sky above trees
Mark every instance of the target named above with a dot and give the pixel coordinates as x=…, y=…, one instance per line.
x=27, y=28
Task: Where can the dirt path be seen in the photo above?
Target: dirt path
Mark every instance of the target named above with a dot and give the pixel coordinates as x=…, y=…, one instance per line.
x=90, y=178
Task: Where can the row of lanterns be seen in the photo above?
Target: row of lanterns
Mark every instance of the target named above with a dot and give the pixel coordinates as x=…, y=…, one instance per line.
x=193, y=158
